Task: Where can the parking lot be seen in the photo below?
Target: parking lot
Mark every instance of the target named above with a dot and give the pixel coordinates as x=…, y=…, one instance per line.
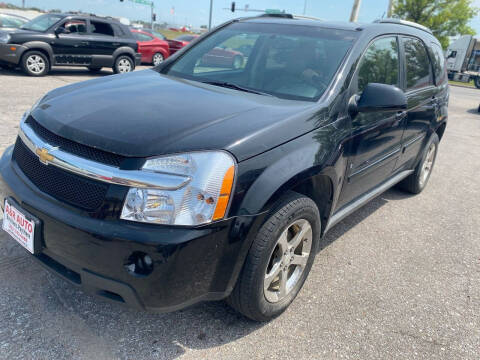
x=400, y=278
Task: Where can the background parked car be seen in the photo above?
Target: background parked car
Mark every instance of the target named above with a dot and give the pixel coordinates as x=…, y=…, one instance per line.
x=11, y=21
x=179, y=42
x=221, y=57
x=152, y=49
x=70, y=40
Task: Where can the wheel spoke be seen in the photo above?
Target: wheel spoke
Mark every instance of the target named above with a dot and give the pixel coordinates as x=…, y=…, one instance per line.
x=297, y=239
x=282, y=286
x=272, y=275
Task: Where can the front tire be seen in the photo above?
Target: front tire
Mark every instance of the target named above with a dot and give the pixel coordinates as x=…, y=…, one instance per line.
x=416, y=182
x=123, y=64
x=279, y=260
x=35, y=63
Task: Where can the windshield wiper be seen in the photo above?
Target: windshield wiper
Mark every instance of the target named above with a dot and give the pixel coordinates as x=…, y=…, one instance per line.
x=236, y=87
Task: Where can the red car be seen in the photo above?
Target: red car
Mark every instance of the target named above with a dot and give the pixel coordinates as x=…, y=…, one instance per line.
x=179, y=42
x=153, y=49
x=220, y=57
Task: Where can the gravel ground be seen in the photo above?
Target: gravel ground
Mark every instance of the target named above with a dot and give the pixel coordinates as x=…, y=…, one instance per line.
x=399, y=279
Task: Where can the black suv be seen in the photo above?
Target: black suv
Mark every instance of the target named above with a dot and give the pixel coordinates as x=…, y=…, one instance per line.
x=212, y=181
x=69, y=40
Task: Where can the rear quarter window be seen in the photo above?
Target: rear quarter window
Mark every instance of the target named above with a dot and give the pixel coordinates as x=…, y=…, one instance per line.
x=438, y=60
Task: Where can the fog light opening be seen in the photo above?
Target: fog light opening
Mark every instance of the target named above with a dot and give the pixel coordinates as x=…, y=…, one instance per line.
x=139, y=264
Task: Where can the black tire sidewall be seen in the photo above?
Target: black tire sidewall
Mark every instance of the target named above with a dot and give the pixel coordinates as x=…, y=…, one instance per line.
x=265, y=308
x=476, y=81
x=24, y=63
x=117, y=60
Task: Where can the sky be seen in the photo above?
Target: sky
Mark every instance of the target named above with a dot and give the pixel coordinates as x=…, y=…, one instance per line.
x=195, y=12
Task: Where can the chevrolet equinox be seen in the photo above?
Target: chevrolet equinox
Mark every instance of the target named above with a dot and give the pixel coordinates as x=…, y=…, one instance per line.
x=199, y=180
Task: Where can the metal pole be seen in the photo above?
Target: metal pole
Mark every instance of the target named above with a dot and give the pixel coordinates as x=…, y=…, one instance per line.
x=391, y=6
x=23, y=4
x=355, y=10
x=151, y=15
x=305, y=7
x=210, y=16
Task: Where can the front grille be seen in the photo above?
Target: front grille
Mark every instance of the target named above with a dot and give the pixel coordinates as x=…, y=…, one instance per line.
x=70, y=188
x=74, y=147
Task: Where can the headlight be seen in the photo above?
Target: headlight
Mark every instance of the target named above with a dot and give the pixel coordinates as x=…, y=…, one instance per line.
x=203, y=199
x=4, y=38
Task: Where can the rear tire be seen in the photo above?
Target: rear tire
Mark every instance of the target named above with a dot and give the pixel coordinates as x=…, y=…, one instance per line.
x=279, y=259
x=35, y=63
x=476, y=81
x=157, y=59
x=416, y=182
x=123, y=64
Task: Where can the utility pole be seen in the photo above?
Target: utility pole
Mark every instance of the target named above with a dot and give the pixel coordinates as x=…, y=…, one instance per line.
x=305, y=7
x=391, y=6
x=23, y=4
x=210, y=16
x=151, y=15
x=355, y=10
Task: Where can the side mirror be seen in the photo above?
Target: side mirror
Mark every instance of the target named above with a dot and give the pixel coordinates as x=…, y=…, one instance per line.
x=60, y=30
x=378, y=97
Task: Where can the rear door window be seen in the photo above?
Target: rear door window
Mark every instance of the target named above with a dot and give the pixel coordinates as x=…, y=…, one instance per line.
x=417, y=64
x=101, y=28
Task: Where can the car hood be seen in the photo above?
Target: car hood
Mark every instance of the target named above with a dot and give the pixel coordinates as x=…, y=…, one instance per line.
x=145, y=113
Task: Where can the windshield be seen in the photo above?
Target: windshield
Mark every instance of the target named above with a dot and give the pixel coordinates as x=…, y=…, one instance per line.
x=287, y=61
x=11, y=21
x=42, y=22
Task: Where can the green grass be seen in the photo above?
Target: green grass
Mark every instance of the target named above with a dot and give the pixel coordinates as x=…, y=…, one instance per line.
x=469, y=84
x=170, y=34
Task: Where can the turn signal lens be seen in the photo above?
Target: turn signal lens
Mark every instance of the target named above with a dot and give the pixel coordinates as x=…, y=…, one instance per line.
x=225, y=191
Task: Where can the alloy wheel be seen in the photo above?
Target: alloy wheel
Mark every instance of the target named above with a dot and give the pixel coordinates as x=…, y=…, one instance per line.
x=36, y=64
x=124, y=66
x=157, y=59
x=288, y=260
x=427, y=165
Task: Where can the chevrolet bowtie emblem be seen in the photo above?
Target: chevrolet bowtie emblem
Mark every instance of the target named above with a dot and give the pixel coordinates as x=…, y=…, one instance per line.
x=44, y=156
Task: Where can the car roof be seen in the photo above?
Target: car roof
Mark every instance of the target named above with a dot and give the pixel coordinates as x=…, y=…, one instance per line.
x=377, y=27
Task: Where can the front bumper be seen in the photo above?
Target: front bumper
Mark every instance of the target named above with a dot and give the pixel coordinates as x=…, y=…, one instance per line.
x=11, y=53
x=189, y=264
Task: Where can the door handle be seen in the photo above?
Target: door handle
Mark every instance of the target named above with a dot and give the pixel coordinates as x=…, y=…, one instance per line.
x=400, y=115
x=84, y=42
x=115, y=44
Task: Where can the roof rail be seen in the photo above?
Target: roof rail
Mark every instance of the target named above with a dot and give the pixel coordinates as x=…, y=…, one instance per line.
x=403, y=22
x=278, y=15
x=288, y=16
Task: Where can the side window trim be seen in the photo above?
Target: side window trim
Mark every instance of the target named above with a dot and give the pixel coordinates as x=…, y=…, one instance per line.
x=403, y=37
x=401, y=75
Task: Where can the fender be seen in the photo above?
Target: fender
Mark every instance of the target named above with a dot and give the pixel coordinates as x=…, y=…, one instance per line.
x=41, y=45
x=315, y=154
x=124, y=50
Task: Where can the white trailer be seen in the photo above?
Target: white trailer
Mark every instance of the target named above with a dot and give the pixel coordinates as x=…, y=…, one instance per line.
x=463, y=60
